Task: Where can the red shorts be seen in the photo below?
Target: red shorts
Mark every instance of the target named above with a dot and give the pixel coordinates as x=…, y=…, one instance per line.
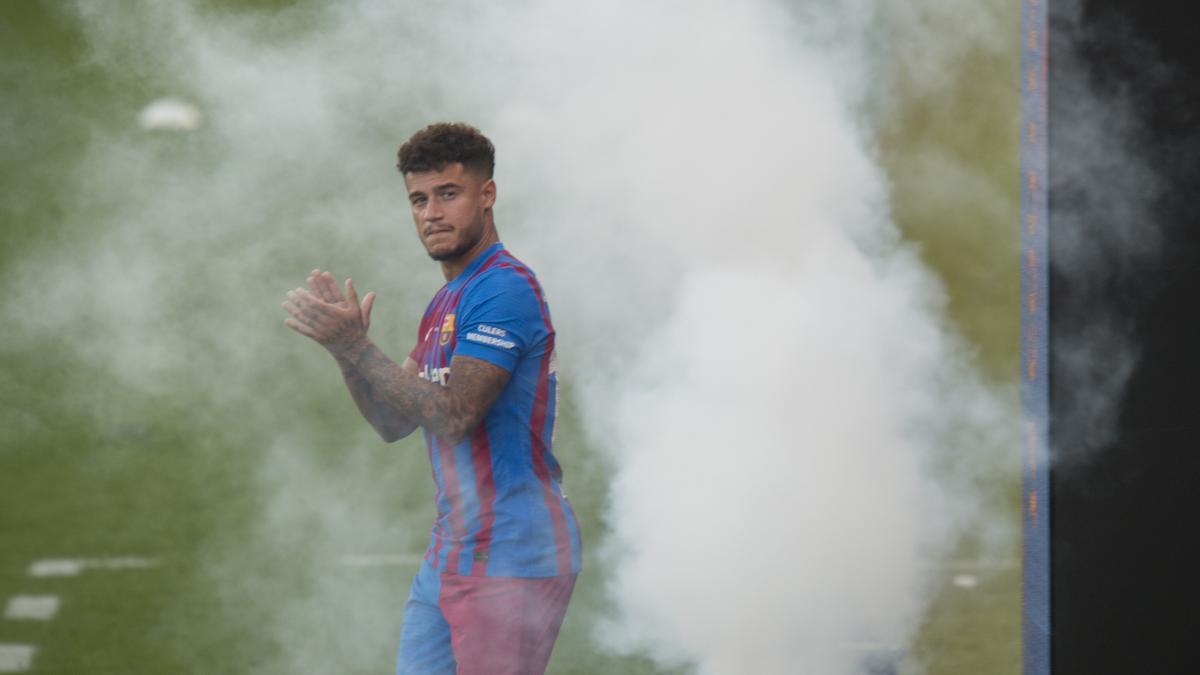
x=481, y=625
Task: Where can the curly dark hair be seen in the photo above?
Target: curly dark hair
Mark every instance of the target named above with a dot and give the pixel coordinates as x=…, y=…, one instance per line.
x=443, y=143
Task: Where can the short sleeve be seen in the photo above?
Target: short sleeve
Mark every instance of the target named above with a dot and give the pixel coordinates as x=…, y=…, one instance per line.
x=500, y=319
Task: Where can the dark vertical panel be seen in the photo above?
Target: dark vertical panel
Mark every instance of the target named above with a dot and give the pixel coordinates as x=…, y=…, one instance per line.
x=1125, y=510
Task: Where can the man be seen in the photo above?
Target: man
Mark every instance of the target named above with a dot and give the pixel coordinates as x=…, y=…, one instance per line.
x=481, y=381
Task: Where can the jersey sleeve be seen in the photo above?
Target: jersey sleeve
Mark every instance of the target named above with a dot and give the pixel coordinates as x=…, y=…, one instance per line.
x=501, y=319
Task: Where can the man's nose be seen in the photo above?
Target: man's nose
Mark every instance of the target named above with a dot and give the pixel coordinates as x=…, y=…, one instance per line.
x=433, y=212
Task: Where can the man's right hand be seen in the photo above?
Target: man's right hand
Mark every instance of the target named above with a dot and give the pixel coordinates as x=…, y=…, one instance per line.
x=321, y=312
x=323, y=285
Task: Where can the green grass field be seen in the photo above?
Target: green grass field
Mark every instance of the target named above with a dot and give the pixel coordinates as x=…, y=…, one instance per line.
x=283, y=533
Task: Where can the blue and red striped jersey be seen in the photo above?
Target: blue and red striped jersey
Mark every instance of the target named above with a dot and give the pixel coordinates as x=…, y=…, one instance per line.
x=501, y=510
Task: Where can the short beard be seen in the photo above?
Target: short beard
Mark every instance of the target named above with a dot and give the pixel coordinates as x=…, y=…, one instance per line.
x=453, y=253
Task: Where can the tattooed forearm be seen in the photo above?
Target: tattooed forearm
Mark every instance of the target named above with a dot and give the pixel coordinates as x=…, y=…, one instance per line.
x=387, y=421
x=451, y=412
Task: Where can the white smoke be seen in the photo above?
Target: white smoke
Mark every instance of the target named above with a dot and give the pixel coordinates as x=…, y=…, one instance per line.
x=792, y=425
x=1106, y=231
x=782, y=385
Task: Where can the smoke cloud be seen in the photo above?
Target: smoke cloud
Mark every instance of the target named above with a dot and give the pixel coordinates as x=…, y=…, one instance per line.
x=796, y=432
x=1107, y=230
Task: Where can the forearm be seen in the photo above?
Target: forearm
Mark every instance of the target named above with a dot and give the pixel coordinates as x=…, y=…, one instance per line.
x=417, y=401
x=388, y=422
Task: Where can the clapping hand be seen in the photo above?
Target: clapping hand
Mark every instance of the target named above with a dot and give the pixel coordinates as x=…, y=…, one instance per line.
x=338, y=322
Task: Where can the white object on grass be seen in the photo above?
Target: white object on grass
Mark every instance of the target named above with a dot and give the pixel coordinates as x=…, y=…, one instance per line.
x=36, y=607
x=56, y=568
x=169, y=114
x=70, y=567
x=124, y=563
x=16, y=658
x=966, y=580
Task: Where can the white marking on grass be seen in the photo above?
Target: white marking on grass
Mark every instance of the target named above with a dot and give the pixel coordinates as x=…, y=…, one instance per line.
x=170, y=114
x=16, y=658
x=382, y=559
x=966, y=580
x=70, y=567
x=56, y=568
x=36, y=607
x=125, y=563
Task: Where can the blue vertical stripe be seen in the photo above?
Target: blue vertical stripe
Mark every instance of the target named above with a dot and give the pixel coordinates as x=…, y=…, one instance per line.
x=1036, y=592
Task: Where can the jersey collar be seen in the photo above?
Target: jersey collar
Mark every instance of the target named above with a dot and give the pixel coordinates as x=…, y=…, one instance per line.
x=475, y=264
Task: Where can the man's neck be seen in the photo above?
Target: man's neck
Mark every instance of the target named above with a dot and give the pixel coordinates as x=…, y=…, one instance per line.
x=453, y=268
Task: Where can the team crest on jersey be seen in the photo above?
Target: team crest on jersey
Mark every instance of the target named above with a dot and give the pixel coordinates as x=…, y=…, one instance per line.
x=447, y=329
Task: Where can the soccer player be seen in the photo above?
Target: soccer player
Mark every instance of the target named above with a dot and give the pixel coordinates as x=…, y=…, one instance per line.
x=481, y=381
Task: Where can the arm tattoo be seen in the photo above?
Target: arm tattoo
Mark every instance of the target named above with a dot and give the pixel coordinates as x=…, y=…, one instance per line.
x=451, y=412
x=386, y=420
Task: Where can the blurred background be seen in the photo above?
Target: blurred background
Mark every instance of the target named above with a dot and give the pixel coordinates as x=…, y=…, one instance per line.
x=779, y=241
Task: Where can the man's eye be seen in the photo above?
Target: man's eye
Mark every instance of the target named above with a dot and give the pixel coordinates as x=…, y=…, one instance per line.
x=449, y=194
x=418, y=201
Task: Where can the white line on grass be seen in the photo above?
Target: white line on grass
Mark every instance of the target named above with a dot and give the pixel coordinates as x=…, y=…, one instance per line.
x=56, y=568
x=16, y=658
x=125, y=563
x=70, y=567
x=36, y=607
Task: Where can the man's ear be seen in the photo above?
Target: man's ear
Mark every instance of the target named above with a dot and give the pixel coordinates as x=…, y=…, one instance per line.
x=489, y=193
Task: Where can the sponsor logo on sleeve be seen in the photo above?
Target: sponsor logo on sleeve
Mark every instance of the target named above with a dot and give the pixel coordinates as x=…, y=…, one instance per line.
x=490, y=340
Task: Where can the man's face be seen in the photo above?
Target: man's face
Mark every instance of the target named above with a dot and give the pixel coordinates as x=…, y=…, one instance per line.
x=449, y=208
